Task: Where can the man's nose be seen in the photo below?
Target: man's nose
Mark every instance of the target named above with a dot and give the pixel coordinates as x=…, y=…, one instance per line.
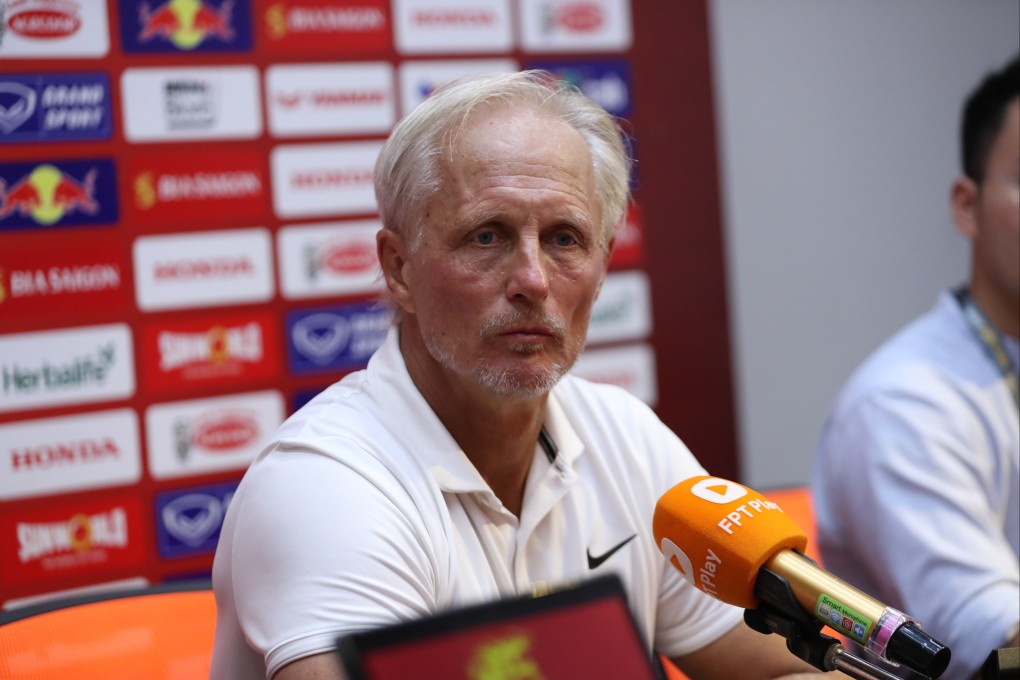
x=528, y=276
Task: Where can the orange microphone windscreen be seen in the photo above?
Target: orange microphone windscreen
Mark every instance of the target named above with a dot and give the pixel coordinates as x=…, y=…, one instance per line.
x=719, y=534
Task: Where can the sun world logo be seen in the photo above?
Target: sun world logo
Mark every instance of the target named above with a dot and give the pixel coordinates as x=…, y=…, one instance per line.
x=78, y=535
x=47, y=456
x=218, y=345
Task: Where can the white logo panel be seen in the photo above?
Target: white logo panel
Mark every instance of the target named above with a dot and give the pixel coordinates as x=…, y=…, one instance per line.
x=68, y=366
x=623, y=310
x=311, y=180
x=575, y=25
x=631, y=367
x=446, y=26
x=48, y=29
x=418, y=79
x=57, y=455
x=209, y=102
x=210, y=435
x=338, y=258
x=201, y=269
x=330, y=99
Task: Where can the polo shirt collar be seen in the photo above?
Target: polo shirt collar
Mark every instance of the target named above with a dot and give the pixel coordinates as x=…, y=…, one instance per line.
x=434, y=447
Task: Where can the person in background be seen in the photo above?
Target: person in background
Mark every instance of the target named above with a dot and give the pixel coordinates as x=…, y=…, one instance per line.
x=916, y=486
x=464, y=464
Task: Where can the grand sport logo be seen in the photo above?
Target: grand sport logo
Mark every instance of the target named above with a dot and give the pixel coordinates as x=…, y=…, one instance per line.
x=335, y=338
x=69, y=366
x=189, y=520
x=61, y=193
x=210, y=435
x=53, y=28
x=54, y=107
x=185, y=25
x=70, y=453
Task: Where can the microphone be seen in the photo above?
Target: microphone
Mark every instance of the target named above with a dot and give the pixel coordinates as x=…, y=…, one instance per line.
x=731, y=542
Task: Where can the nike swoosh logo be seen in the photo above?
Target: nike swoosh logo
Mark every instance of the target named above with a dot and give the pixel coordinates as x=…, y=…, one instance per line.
x=595, y=561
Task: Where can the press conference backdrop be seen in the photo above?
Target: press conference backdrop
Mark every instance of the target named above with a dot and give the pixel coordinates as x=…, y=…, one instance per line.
x=187, y=251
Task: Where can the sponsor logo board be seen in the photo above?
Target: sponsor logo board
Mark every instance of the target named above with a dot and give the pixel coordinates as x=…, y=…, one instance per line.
x=418, y=79
x=338, y=258
x=217, y=350
x=447, y=26
x=575, y=25
x=203, y=269
x=71, y=453
x=188, y=521
x=53, y=29
x=68, y=539
x=185, y=25
x=60, y=193
x=631, y=367
x=311, y=180
x=335, y=338
x=176, y=188
x=202, y=436
x=185, y=103
x=330, y=99
x=623, y=310
x=629, y=250
x=54, y=107
x=606, y=82
x=340, y=27
x=67, y=366
x=62, y=278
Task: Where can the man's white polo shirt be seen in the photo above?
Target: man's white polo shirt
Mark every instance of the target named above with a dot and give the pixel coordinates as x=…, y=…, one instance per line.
x=363, y=511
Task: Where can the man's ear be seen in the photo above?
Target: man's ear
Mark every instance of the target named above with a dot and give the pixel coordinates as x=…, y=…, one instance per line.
x=964, y=202
x=392, y=252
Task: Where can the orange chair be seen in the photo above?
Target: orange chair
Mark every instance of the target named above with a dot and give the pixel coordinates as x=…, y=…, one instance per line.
x=795, y=502
x=162, y=632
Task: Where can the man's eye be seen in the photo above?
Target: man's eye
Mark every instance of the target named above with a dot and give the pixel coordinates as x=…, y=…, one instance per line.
x=565, y=239
x=486, y=238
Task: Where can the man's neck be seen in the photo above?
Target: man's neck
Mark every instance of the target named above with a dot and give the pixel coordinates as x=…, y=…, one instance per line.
x=1001, y=309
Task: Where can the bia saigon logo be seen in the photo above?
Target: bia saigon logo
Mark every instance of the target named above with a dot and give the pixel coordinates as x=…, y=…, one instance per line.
x=73, y=193
x=186, y=25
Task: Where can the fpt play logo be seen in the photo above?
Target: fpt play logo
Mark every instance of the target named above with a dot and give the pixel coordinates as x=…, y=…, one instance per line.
x=80, y=192
x=186, y=25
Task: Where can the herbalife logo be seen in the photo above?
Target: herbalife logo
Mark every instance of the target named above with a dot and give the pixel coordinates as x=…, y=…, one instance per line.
x=81, y=371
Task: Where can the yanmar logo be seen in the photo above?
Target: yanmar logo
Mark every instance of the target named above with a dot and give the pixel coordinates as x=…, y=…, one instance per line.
x=327, y=99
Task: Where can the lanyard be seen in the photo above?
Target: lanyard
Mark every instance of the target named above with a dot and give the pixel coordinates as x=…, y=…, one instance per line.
x=990, y=339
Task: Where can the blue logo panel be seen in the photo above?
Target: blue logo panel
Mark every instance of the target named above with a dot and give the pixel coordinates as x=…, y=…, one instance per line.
x=188, y=521
x=54, y=107
x=175, y=26
x=335, y=338
x=606, y=82
x=80, y=192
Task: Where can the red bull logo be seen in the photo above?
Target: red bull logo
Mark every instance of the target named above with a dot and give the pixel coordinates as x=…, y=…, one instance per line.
x=186, y=23
x=47, y=194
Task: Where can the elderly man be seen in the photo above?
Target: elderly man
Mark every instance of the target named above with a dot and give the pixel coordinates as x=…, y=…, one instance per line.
x=464, y=464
